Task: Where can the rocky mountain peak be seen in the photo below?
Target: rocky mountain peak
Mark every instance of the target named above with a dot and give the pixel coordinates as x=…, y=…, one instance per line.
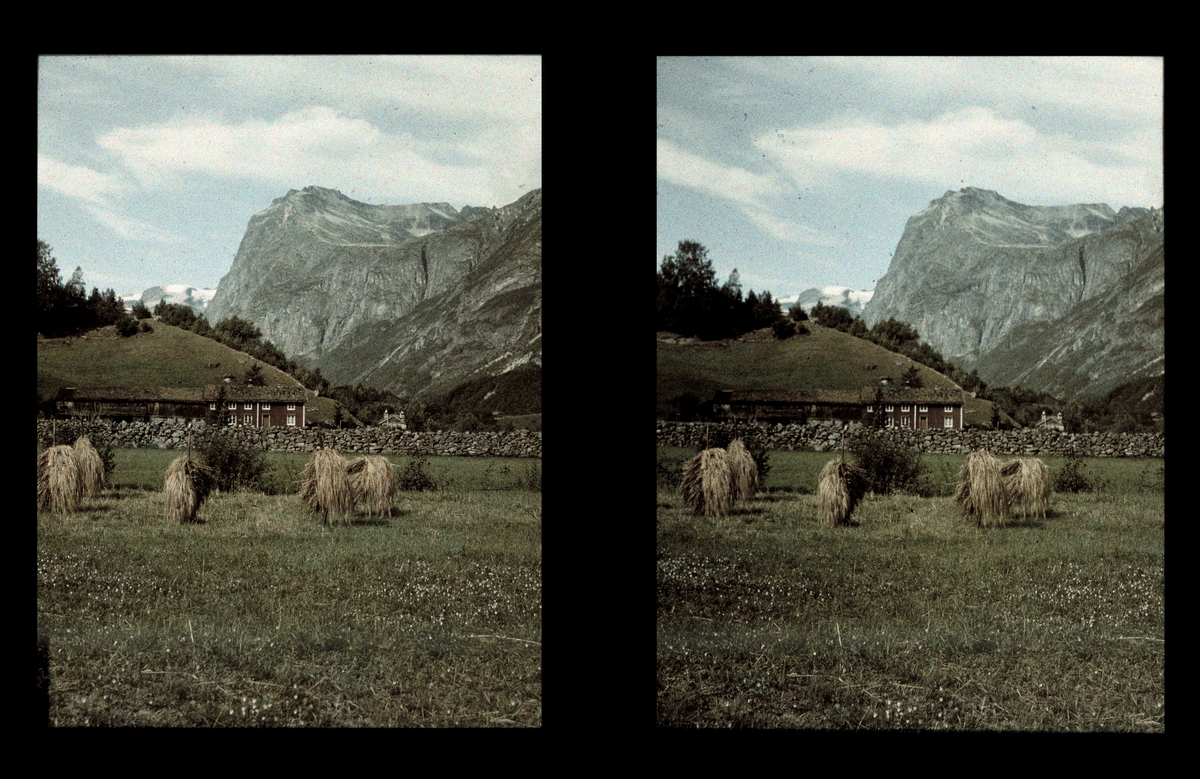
x=979, y=275
x=335, y=283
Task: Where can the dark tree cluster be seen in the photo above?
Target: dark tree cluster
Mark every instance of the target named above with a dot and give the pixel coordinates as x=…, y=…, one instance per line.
x=1133, y=407
x=66, y=309
x=691, y=304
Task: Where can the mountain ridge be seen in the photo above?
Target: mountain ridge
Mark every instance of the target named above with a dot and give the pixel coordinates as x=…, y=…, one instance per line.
x=974, y=270
x=327, y=279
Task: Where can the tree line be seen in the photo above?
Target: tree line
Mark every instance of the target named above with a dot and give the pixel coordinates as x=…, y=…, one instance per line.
x=65, y=309
x=691, y=303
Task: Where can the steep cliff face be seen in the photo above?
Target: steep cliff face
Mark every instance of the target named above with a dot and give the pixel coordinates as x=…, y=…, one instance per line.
x=1005, y=288
x=488, y=323
x=323, y=275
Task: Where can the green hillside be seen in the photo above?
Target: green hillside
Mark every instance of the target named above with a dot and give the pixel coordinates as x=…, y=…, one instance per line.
x=167, y=357
x=823, y=359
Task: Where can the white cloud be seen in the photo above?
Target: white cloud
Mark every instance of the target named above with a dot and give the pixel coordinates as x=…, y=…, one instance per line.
x=752, y=193
x=133, y=229
x=974, y=145
x=502, y=89
x=1111, y=87
x=686, y=169
x=313, y=145
x=793, y=232
x=76, y=181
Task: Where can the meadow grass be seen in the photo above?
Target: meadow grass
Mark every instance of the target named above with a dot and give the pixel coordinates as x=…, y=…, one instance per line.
x=824, y=359
x=914, y=618
x=143, y=469
x=259, y=616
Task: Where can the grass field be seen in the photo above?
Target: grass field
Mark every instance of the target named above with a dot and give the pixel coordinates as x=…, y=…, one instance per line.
x=259, y=616
x=914, y=618
x=167, y=357
x=823, y=359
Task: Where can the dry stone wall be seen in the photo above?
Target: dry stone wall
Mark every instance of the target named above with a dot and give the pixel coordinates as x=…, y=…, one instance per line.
x=821, y=436
x=366, y=440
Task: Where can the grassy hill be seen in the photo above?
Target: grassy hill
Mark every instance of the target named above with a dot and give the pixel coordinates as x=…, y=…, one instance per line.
x=167, y=357
x=823, y=359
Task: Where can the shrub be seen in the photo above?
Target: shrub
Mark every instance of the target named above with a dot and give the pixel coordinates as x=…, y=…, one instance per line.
x=127, y=326
x=1072, y=478
x=416, y=477
x=890, y=466
x=235, y=465
x=784, y=329
x=466, y=422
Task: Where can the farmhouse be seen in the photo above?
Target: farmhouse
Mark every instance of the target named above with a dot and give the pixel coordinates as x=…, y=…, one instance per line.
x=256, y=406
x=900, y=407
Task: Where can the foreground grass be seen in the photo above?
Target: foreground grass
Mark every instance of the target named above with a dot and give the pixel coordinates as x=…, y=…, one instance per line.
x=260, y=616
x=914, y=618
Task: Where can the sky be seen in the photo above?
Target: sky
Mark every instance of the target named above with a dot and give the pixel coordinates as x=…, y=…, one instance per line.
x=801, y=173
x=150, y=168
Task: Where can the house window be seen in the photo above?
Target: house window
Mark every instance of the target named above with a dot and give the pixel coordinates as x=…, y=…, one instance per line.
x=923, y=409
x=291, y=420
x=888, y=408
x=212, y=406
x=248, y=406
x=249, y=419
x=870, y=409
x=233, y=406
x=948, y=422
x=232, y=419
x=904, y=409
x=266, y=406
x=291, y=406
x=949, y=409
x=904, y=422
x=891, y=422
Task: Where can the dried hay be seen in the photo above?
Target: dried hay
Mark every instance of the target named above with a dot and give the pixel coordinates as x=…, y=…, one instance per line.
x=326, y=487
x=840, y=488
x=708, y=483
x=91, y=467
x=59, y=487
x=186, y=485
x=745, y=471
x=373, y=481
x=981, y=490
x=1027, y=481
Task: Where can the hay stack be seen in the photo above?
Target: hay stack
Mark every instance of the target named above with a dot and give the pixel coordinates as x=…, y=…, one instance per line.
x=59, y=487
x=708, y=483
x=91, y=467
x=186, y=485
x=326, y=488
x=981, y=489
x=840, y=487
x=372, y=481
x=745, y=471
x=1027, y=481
